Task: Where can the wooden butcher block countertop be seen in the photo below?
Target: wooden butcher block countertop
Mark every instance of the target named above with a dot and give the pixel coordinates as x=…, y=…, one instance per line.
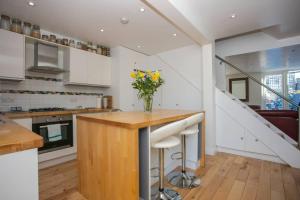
x=138, y=119
x=14, y=138
x=18, y=115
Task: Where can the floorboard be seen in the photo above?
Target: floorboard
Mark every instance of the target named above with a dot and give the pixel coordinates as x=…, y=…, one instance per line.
x=225, y=176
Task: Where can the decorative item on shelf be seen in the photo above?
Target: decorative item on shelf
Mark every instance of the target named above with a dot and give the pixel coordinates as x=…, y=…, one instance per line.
x=94, y=48
x=59, y=41
x=84, y=46
x=99, y=49
x=45, y=37
x=65, y=41
x=90, y=46
x=146, y=83
x=16, y=26
x=79, y=46
x=52, y=38
x=107, y=102
x=5, y=22
x=27, y=28
x=36, y=32
x=71, y=43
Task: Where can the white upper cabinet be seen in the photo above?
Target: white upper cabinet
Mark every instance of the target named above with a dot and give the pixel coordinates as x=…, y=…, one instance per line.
x=12, y=65
x=85, y=68
x=77, y=66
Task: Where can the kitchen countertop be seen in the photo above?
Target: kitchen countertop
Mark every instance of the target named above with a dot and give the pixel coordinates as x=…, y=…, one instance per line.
x=14, y=138
x=25, y=114
x=138, y=119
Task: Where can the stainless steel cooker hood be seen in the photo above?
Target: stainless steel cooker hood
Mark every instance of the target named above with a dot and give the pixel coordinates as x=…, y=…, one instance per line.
x=46, y=59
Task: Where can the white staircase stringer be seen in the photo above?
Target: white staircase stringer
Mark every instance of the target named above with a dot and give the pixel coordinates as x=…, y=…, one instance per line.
x=281, y=147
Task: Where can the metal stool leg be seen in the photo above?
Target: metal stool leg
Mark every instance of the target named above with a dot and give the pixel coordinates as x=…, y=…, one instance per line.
x=183, y=179
x=165, y=194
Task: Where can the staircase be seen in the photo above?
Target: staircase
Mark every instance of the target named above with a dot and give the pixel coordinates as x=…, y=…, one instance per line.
x=239, y=128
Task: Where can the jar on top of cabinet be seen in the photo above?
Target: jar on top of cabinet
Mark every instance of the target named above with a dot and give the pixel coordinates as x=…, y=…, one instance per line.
x=26, y=28
x=36, y=31
x=16, y=26
x=5, y=22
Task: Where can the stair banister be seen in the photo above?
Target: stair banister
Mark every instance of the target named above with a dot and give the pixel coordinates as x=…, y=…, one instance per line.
x=268, y=88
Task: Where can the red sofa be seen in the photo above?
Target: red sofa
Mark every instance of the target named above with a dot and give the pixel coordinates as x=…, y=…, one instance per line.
x=285, y=120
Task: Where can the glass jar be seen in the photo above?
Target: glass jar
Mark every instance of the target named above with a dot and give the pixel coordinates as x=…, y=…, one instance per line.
x=52, y=38
x=26, y=28
x=5, y=22
x=16, y=25
x=36, y=31
x=99, y=49
x=71, y=43
x=78, y=46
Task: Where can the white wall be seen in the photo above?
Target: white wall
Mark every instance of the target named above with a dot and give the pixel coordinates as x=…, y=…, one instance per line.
x=246, y=44
x=180, y=68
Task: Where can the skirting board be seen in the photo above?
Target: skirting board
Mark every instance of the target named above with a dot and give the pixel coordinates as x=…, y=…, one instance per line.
x=251, y=155
x=57, y=161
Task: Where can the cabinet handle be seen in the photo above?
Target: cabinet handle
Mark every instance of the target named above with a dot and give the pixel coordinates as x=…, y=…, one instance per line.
x=242, y=138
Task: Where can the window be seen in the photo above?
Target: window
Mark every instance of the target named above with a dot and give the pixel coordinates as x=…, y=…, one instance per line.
x=271, y=100
x=293, y=87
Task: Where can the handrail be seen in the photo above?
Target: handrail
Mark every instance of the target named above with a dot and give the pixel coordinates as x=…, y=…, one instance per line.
x=257, y=81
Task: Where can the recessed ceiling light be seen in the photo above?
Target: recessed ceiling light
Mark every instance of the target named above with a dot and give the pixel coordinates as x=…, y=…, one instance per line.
x=142, y=9
x=31, y=3
x=174, y=34
x=124, y=20
x=139, y=46
x=233, y=16
x=101, y=29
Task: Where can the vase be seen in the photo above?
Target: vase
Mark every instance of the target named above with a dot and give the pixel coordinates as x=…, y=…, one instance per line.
x=148, y=100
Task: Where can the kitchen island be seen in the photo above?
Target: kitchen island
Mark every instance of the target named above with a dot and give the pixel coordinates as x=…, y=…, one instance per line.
x=114, y=154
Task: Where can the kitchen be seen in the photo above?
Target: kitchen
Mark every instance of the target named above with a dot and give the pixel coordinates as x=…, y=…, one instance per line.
x=54, y=77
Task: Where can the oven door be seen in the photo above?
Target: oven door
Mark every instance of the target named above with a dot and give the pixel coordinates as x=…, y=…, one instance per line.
x=56, y=135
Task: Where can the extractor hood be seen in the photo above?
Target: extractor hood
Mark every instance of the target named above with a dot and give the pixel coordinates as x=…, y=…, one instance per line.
x=45, y=59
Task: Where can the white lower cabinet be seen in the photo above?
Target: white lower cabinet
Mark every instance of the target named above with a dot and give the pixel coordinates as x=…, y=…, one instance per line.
x=252, y=144
x=26, y=122
x=232, y=135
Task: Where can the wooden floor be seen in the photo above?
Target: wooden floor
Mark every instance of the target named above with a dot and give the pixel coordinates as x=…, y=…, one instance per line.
x=225, y=176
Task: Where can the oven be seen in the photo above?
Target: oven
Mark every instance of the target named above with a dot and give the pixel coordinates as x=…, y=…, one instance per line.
x=57, y=132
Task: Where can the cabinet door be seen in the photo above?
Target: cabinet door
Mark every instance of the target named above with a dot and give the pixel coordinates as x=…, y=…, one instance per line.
x=253, y=144
x=99, y=70
x=105, y=71
x=26, y=123
x=78, y=66
x=12, y=65
x=229, y=133
x=93, y=69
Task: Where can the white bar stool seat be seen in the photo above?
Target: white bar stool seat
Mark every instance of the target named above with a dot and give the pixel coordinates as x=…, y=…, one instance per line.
x=184, y=179
x=169, y=142
x=161, y=139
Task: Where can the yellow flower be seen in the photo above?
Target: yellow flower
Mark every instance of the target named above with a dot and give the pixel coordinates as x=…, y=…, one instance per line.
x=149, y=72
x=141, y=74
x=155, y=76
x=133, y=75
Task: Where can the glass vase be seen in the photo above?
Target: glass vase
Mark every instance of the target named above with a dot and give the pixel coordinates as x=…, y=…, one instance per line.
x=148, y=100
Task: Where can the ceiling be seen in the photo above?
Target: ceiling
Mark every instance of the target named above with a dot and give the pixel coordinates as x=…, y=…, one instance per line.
x=284, y=58
x=279, y=17
x=147, y=32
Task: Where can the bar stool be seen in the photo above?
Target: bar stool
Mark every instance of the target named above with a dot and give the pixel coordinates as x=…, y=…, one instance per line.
x=161, y=139
x=184, y=179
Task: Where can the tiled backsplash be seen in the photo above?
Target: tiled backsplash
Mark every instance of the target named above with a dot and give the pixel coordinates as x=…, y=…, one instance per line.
x=58, y=95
